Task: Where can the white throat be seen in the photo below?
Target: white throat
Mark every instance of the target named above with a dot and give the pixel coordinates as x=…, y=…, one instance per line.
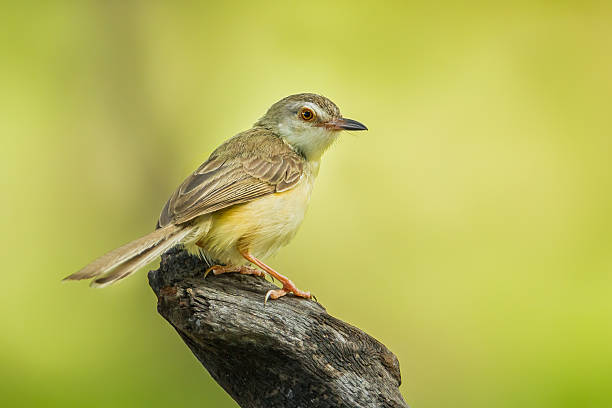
x=310, y=141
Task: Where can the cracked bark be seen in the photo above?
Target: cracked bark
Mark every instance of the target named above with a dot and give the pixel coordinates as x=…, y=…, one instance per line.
x=288, y=353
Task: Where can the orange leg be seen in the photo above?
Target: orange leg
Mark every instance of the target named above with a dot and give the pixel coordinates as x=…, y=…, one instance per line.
x=245, y=270
x=288, y=286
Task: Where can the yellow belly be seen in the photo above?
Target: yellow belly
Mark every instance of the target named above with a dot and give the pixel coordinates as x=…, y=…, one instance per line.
x=262, y=226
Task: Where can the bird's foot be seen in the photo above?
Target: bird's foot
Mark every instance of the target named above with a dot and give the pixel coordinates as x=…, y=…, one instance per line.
x=288, y=287
x=243, y=269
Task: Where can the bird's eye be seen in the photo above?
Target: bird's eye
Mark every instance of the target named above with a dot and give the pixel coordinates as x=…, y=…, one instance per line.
x=307, y=114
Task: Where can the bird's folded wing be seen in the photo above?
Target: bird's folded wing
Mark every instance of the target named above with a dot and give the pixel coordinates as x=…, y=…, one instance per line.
x=220, y=183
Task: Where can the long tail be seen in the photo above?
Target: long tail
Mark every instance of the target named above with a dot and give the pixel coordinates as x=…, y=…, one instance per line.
x=127, y=259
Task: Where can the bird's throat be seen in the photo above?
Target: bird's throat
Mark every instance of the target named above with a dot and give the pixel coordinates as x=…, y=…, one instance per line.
x=311, y=143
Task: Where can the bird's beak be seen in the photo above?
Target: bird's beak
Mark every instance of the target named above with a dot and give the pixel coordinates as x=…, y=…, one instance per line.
x=346, y=124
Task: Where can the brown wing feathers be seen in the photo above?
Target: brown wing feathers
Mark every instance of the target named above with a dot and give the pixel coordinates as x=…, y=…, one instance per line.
x=218, y=184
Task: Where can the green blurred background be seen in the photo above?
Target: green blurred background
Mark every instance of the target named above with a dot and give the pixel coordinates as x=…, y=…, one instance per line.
x=469, y=230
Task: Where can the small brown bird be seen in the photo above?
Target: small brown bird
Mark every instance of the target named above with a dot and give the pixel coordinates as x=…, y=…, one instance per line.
x=246, y=201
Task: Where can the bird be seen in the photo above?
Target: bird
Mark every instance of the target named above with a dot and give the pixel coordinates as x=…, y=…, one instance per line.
x=245, y=202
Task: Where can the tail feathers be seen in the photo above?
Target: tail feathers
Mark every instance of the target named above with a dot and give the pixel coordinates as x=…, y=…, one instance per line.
x=134, y=264
x=127, y=259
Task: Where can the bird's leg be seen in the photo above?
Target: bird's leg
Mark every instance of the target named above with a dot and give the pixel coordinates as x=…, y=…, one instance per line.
x=288, y=286
x=243, y=269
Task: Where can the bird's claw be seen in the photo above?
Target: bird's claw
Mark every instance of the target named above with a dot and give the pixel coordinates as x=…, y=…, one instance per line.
x=274, y=294
x=211, y=269
x=277, y=293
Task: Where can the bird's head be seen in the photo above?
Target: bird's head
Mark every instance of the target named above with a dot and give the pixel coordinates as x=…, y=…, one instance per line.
x=310, y=123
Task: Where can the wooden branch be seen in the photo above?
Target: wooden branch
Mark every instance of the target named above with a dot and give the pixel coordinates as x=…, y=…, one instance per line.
x=288, y=353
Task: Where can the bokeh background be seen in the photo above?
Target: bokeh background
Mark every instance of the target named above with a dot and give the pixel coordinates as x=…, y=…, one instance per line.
x=469, y=230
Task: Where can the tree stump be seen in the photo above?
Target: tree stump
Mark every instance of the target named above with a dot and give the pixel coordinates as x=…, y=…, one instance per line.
x=287, y=353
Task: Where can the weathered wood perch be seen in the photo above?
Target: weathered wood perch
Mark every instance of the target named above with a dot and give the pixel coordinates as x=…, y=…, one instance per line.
x=288, y=353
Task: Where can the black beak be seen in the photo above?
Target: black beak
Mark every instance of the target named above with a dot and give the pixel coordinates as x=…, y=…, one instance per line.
x=348, y=124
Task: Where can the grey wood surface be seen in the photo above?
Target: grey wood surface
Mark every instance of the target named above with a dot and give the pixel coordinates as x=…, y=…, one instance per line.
x=288, y=353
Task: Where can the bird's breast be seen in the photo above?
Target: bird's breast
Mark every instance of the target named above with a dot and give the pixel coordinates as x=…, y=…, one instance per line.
x=263, y=225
